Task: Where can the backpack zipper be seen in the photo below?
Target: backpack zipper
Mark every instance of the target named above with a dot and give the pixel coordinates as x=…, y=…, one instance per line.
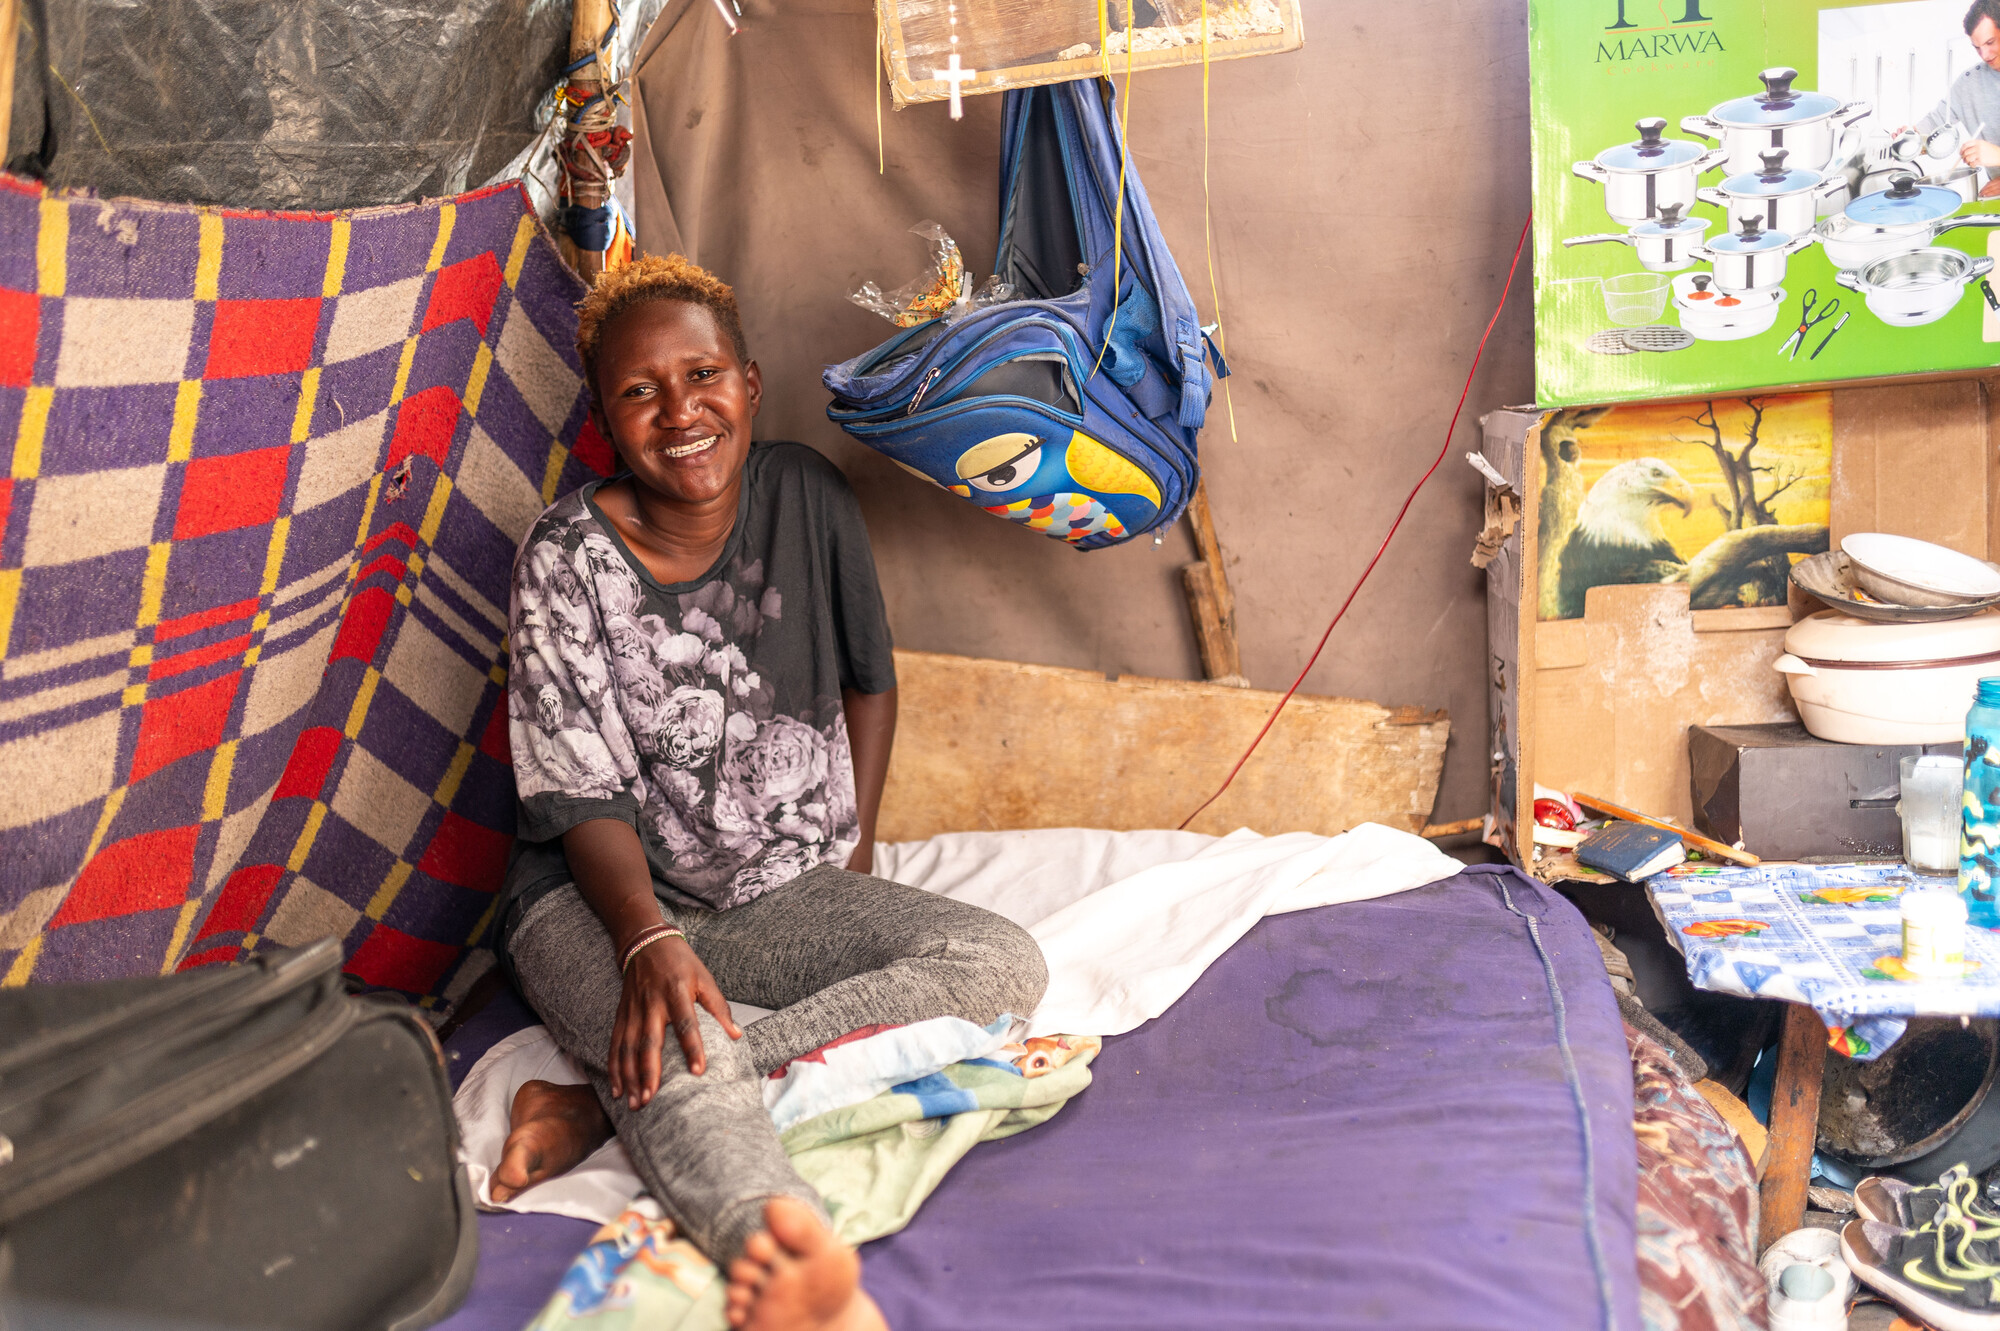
x=917, y=399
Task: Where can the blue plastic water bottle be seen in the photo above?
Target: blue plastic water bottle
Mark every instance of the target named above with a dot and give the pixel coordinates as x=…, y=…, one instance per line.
x=1979, y=842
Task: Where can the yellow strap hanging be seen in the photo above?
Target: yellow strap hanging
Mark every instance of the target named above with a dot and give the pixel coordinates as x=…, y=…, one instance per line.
x=1208, y=228
x=1124, y=154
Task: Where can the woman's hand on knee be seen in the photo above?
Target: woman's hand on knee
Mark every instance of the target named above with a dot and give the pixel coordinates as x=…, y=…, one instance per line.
x=666, y=985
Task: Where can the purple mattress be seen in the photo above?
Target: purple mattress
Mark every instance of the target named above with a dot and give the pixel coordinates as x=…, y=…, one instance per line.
x=1359, y=1117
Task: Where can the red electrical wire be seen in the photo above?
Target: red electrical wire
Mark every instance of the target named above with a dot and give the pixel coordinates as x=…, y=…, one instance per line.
x=1313, y=660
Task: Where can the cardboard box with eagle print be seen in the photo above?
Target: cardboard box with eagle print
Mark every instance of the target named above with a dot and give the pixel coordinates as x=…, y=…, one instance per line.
x=1646, y=589
x=1724, y=494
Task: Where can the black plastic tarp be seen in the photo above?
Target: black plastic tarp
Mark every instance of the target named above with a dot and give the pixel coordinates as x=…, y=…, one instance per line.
x=280, y=103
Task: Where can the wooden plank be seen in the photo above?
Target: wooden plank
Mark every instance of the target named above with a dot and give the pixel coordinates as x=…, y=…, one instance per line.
x=1210, y=600
x=1794, y=1125
x=1209, y=545
x=997, y=745
x=1693, y=840
x=1221, y=663
x=1019, y=43
x=10, y=36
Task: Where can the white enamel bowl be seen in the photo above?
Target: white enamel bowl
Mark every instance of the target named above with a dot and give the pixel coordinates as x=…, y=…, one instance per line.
x=1904, y=571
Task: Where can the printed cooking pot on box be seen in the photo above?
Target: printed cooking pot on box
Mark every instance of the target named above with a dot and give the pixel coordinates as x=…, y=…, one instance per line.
x=1807, y=125
x=1665, y=243
x=1652, y=172
x=1907, y=216
x=1783, y=197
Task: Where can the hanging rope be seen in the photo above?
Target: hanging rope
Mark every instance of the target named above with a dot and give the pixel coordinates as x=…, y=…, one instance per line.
x=1208, y=230
x=1118, y=223
x=1383, y=549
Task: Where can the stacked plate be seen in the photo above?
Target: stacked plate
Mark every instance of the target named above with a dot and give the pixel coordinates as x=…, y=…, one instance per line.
x=1899, y=580
x=1895, y=661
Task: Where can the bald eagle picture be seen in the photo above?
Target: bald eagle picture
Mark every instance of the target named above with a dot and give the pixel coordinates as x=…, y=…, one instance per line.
x=1618, y=539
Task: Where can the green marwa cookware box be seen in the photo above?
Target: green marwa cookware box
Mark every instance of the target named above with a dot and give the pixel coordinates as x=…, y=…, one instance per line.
x=1733, y=196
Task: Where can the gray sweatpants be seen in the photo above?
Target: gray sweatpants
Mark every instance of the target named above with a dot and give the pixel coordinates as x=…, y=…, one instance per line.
x=831, y=951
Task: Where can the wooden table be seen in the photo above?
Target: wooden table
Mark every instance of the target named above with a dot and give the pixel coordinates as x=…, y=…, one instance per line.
x=1787, y=1166
x=1819, y=934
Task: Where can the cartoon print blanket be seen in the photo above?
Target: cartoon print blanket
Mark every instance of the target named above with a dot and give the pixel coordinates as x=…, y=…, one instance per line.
x=873, y=1163
x=847, y=1071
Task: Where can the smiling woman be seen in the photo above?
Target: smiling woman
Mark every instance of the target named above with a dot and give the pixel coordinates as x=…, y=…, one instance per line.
x=679, y=400
x=701, y=704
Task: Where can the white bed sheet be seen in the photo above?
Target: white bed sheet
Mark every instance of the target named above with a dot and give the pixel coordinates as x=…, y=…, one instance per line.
x=1127, y=920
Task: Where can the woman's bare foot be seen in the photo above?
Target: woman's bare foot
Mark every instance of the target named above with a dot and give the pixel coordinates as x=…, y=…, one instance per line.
x=794, y=1275
x=551, y=1130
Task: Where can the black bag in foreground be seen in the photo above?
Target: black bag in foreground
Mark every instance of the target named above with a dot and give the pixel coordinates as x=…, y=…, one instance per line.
x=237, y=1146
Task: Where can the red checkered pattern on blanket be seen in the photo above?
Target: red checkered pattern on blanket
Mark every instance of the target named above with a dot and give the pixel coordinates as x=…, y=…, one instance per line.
x=266, y=477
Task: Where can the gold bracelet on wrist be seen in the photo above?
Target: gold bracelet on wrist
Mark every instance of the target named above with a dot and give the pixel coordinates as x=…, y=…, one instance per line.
x=647, y=937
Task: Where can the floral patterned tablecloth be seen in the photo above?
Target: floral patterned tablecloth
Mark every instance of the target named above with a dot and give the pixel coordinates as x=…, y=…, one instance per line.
x=1828, y=935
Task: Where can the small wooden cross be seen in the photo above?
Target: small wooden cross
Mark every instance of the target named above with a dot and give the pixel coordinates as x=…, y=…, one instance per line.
x=958, y=77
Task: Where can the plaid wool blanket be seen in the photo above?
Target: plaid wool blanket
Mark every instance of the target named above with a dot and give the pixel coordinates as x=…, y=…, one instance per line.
x=266, y=475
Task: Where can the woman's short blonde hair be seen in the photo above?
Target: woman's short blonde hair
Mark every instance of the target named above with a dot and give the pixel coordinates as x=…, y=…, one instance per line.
x=650, y=278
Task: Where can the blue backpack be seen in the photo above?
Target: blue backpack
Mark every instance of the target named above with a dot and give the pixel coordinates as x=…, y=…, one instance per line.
x=1008, y=405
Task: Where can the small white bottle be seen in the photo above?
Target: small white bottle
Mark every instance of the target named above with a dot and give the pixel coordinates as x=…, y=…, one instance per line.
x=1933, y=933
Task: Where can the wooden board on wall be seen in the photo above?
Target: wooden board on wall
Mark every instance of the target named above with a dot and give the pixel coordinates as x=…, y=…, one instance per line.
x=997, y=745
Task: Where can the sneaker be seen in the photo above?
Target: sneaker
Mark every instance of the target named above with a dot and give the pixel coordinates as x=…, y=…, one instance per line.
x=1805, y=1298
x=1804, y=1305
x=1906, y=1206
x=1941, y=1273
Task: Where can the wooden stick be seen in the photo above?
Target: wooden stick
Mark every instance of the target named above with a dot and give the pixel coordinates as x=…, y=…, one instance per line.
x=1209, y=545
x=1438, y=831
x=1210, y=602
x=589, y=20
x=1220, y=662
x=10, y=36
x=1693, y=841
x=1794, y=1125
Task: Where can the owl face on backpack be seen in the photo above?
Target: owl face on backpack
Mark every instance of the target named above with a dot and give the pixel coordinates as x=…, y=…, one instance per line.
x=1071, y=490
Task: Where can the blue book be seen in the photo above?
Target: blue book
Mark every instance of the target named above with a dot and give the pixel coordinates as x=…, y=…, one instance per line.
x=1631, y=851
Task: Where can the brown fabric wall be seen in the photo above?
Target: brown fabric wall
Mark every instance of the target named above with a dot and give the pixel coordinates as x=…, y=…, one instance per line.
x=1367, y=193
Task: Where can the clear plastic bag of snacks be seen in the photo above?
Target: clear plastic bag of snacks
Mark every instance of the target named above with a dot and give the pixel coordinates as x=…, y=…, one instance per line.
x=944, y=288
x=939, y=287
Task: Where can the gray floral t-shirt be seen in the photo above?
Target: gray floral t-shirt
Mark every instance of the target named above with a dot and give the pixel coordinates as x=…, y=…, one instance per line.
x=707, y=714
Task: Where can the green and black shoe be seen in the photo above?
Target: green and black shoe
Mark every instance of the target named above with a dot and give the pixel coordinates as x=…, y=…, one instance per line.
x=1947, y=1273
x=1906, y=1206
